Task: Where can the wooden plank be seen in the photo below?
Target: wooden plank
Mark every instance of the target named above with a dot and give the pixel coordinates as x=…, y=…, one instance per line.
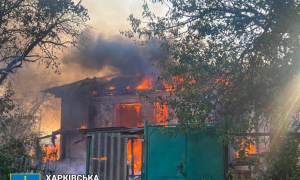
x=40, y=169
x=20, y=165
x=46, y=168
x=50, y=167
x=29, y=163
x=25, y=165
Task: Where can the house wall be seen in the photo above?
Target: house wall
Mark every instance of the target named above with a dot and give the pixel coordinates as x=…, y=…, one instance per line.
x=74, y=114
x=95, y=112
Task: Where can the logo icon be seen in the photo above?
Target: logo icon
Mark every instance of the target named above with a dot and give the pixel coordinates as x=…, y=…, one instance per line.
x=25, y=177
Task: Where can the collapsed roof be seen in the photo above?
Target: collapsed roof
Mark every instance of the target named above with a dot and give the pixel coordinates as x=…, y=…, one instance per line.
x=103, y=86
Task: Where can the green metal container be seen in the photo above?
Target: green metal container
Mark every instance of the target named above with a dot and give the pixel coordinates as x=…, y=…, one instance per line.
x=198, y=156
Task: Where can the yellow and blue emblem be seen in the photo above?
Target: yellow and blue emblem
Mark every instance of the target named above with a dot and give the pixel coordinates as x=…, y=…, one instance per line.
x=25, y=176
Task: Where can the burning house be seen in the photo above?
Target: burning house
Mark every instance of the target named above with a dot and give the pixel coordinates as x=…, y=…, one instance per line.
x=103, y=102
x=110, y=113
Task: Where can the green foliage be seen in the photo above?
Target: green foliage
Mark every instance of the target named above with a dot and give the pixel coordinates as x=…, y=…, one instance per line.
x=16, y=136
x=232, y=62
x=33, y=30
x=6, y=103
x=14, y=123
x=283, y=158
x=8, y=153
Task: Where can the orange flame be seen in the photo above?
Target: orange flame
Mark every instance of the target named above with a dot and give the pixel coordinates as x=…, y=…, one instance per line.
x=137, y=153
x=127, y=87
x=223, y=79
x=250, y=149
x=174, y=82
x=52, y=153
x=94, y=92
x=111, y=88
x=137, y=106
x=161, y=113
x=83, y=127
x=101, y=159
x=31, y=155
x=146, y=84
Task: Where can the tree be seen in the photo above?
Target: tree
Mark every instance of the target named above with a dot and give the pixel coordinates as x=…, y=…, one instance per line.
x=32, y=30
x=15, y=123
x=29, y=96
x=16, y=136
x=236, y=62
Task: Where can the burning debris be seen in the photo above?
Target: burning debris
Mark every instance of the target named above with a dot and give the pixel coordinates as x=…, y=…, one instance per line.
x=146, y=84
x=83, y=127
x=51, y=152
x=101, y=159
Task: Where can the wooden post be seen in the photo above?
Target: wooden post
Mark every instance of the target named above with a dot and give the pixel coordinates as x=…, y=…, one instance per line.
x=132, y=159
x=38, y=148
x=20, y=167
x=88, y=156
x=25, y=165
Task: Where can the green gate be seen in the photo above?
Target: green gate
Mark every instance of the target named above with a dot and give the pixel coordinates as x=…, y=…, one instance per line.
x=198, y=156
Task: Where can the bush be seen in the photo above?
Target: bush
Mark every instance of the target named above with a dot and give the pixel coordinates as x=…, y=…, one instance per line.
x=8, y=153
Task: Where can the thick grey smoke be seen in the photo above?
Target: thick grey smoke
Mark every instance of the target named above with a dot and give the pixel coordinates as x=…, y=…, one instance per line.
x=119, y=54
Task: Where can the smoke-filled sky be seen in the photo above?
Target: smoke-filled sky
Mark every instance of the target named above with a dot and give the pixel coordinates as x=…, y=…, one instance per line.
x=115, y=55
x=111, y=53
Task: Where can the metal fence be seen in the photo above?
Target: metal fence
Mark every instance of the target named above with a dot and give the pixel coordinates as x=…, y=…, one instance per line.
x=109, y=156
x=25, y=165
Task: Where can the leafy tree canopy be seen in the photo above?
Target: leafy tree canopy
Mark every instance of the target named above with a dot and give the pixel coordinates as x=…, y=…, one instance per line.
x=236, y=58
x=31, y=31
x=234, y=62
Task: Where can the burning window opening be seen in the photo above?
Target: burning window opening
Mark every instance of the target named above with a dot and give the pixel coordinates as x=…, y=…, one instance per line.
x=51, y=152
x=161, y=113
x=250, y=149
x=134, y=156
x=128, y=115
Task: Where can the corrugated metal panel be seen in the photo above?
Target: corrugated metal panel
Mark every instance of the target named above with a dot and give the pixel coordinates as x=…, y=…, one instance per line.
x=114, y=147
